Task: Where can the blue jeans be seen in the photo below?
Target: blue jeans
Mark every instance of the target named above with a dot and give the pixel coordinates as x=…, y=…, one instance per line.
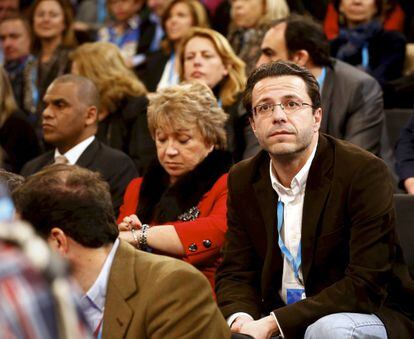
x=347, y=326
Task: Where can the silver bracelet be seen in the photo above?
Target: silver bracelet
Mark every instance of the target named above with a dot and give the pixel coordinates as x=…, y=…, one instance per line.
x=135, y=236
x=142, y=243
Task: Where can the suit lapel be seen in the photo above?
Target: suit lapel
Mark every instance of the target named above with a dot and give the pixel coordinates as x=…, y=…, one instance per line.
x=88, y=155
x=327, y=89
x=318, y=186
x=121, y=286
x=267, y=201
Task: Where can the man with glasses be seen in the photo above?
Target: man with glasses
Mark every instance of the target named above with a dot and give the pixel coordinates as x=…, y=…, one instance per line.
x=310, y=244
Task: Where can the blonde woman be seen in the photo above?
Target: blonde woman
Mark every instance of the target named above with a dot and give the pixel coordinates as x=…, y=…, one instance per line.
x=161, y=68
x=249, y=23
x=183, y=195
x=17, y=137
x=122, y=113
x=207, y=56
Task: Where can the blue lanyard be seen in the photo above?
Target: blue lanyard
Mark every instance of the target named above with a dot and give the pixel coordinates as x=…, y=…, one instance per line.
x=321, y=78
x=35, y=91
x=172, y=69
x=101, y=11
x=294, y=263
x=365, y=57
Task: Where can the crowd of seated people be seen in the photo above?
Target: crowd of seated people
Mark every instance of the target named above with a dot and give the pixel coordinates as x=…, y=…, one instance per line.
x=252, y=154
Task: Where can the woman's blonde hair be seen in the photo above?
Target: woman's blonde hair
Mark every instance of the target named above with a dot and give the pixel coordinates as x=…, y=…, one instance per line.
x=7, y=102
x=188, y=104
x=198, y=13
x=68, y=35
x=273, y=10
x=103, y=63
x=234, y=82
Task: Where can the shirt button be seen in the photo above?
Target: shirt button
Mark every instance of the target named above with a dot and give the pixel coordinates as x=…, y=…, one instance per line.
x=192, y=247
x=207, y=243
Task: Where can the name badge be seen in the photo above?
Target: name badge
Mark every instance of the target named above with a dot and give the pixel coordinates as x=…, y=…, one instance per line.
x=294, y=295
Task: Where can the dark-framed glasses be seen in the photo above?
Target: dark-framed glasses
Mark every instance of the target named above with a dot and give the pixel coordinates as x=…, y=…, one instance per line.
x=288, y=106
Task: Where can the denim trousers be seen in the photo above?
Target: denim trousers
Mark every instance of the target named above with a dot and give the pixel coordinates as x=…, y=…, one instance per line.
x=347, y=326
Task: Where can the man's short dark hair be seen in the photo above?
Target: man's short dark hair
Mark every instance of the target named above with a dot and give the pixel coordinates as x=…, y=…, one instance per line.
x=71, y=198
x=277, y=69
x=303, y=32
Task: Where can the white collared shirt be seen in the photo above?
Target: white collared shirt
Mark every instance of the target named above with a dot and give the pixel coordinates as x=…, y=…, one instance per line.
x=293, y=199
x=93, y=302
x=75, y=152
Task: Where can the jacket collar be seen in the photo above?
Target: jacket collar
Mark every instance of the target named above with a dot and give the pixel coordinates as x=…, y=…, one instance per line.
x=121, y=286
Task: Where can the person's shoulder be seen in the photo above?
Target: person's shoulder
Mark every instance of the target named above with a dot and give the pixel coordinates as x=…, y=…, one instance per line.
x=36, y=164
x=352, y=156
x=112, y=154
x=245, y=171
x=391, y=35
x=349, y=74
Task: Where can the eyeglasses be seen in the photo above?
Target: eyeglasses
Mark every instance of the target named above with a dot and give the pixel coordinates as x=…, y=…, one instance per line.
x=288, y=106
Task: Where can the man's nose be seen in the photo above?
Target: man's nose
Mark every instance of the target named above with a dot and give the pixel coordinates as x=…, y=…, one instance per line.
x=279, y=113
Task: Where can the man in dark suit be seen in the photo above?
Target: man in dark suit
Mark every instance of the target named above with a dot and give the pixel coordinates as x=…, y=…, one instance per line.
x=70, y=123
x=310, y=242
x=351, y=99
x=405, y=157
x=127, y=293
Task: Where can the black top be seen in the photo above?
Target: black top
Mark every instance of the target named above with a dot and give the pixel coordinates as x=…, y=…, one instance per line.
x=18, y=141
x=126, y=129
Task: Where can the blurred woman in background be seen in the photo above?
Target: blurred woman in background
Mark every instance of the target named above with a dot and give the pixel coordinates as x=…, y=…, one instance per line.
x=161, y=69
x=363, y=42
x=53, y=39
x=17, y=137
x=123, y=110
x=250, y=21
x=207, y=56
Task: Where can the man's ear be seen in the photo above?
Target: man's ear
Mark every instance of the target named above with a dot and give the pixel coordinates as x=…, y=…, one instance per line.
x=252, y=124
x=58, y=241
x=301, y=57
x=317, y=116
x=91, y=116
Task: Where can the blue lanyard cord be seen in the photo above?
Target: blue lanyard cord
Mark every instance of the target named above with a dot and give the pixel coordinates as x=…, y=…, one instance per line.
x=321, y=79
x=294, y=263
x=101, y=11
x=365, y=57
x=172, y=69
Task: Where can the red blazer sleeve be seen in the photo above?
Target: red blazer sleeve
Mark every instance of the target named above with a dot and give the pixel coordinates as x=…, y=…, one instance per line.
x=203, y=238
x=131, y=198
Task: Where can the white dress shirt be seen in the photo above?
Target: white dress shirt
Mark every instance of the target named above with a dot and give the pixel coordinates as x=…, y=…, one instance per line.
x=75, y=152
x=93, y=302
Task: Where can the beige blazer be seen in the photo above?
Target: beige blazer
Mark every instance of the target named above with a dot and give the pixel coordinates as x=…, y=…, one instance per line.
x=153, y=296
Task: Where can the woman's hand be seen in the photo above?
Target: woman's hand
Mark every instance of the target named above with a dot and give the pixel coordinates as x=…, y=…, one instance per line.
x=125, y=228
x=130, y=222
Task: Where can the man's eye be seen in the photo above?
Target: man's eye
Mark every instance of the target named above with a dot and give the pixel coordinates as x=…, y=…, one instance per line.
x=264, y=108
x=292, y=104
